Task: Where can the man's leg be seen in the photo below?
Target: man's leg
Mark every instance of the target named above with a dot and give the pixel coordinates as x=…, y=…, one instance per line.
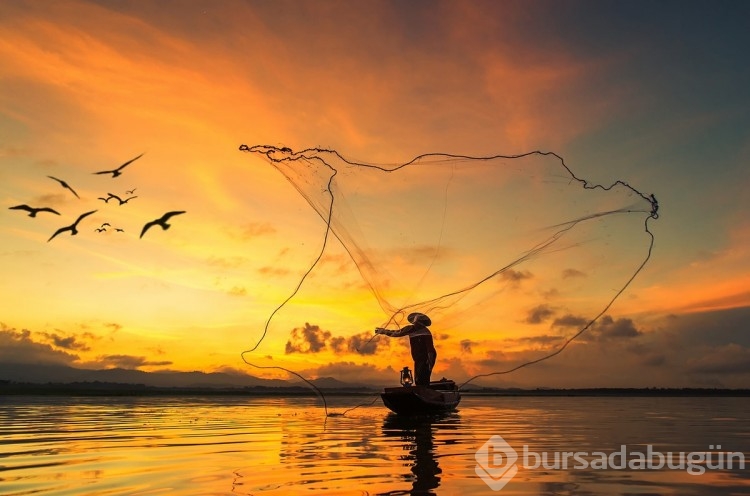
x=422, y=372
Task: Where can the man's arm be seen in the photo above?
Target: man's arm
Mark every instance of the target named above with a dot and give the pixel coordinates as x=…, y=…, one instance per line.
x=397, y=333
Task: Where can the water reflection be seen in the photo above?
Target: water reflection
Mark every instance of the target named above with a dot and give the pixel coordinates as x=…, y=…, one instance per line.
x=277, y=446
x=418, y=435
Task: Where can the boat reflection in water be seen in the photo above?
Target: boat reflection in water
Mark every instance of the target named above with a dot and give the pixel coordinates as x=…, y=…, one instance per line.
x=418, y=435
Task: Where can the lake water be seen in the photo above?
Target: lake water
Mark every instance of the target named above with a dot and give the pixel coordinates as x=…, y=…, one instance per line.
x=280, y=446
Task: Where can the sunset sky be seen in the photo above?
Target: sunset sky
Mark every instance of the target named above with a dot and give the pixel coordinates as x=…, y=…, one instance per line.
x=652, y=94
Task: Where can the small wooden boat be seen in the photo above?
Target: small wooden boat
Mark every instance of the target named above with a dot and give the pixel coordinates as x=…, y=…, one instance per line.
x=439, y=397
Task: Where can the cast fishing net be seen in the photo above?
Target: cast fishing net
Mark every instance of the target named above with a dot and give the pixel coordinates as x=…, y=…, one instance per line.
x=503, y=247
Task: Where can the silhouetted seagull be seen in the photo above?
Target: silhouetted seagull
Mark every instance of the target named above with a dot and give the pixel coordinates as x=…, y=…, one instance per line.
x=161, y=221
x=101, y=229
x=33, y=211
x=106, y=224
x=116, y=172
x=119, y=230
x=72, y=228
x=65, y=185
x=122, y=202
x=130, y=191
x=109, y=197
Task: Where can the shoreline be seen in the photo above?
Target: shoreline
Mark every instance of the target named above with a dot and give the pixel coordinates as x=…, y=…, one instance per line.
x=120, y=389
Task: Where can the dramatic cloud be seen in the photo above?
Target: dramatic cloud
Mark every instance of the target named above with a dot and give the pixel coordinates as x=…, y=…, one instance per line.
x=544, y=340
x=608, y=328
x=570, y=321
x=603, y=329
x=19, y=347
x=515, y=277
x=338, y=344
x=361, y=343
x=539, y=314
x=312, y=339
x=307, y=339
x=466, y=345
x=129, y=361
x=71, y=342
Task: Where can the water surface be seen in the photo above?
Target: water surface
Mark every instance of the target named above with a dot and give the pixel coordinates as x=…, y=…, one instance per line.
x=275, y=446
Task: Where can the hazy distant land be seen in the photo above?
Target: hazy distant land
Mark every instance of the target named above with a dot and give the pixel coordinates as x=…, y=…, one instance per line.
x=27, y=379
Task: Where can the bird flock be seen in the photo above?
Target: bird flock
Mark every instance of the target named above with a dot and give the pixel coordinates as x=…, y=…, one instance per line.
x=121, y=200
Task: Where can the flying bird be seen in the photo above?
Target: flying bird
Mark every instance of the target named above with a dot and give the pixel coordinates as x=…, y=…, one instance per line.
x=72, y=228
x=101, y=229
x=122, y=202
x=116, y=172
x=119, y=230
x=130, y=191
x=106, y=224
x=162, y=221
x=65, y=185
x=33, y=211
x=109, y=197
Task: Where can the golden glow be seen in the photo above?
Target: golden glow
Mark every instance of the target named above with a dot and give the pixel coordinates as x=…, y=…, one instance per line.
x=85, y=87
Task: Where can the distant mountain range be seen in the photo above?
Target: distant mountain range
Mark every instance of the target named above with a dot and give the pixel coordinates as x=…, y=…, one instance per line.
x=62, y=374
x=23, y=378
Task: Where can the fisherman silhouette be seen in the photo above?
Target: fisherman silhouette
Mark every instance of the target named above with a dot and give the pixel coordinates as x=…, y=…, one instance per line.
x=422, y=348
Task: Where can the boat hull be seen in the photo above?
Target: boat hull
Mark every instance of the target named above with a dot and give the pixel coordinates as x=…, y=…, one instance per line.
x=440, y=397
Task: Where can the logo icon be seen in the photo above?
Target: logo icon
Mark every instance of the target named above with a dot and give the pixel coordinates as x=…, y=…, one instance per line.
x=496, y=462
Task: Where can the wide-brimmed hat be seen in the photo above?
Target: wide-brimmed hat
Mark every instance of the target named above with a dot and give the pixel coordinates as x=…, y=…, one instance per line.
x=419, y=318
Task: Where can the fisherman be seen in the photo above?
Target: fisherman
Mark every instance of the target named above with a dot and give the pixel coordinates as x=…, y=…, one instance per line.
x=422, y=348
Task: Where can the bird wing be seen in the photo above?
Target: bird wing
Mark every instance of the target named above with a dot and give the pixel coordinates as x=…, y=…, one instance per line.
x=82, y=216
x=115, y=197
x=47, y=209
x=129, y=162
x=166, y=216
x=22, y=207
x=72, y=190
x=147, y=226
x=103, y=172
x=64, y=185
x=61, y=230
